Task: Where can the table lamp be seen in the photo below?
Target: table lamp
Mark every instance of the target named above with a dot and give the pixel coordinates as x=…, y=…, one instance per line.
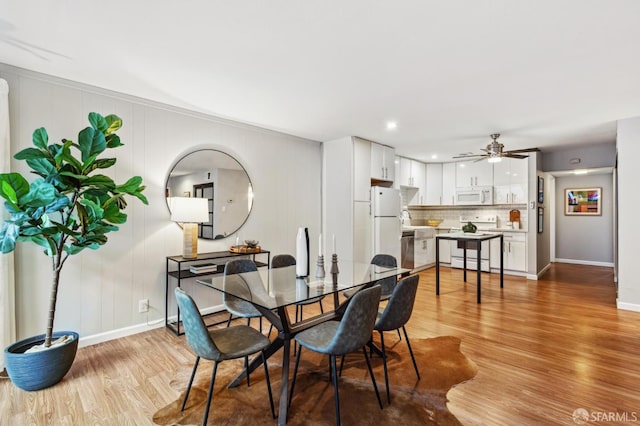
x=190, y=212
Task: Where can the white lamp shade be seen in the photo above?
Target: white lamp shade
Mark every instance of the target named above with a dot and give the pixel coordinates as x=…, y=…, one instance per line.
x=189, y=210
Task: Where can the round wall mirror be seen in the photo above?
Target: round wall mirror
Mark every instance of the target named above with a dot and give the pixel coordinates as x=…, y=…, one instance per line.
x=221, y=179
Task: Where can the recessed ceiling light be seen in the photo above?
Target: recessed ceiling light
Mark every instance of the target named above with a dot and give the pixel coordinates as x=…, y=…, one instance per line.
x=434, y=156
x=392, y=125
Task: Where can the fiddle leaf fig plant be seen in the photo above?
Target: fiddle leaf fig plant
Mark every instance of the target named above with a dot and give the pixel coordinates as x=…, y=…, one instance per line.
x=70, y=206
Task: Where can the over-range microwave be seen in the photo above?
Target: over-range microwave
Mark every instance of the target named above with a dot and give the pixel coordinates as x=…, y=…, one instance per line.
x=474, y=196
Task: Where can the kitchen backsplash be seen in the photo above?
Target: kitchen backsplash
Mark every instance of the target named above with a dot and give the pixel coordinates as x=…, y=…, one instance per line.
x=450, y=215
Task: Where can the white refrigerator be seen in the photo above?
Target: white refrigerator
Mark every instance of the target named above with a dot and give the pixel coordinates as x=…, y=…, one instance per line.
x=386, y=208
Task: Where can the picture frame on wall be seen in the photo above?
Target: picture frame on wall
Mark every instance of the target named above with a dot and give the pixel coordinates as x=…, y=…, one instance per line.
x=540, y=190
x=583, y=201
x=540, y=220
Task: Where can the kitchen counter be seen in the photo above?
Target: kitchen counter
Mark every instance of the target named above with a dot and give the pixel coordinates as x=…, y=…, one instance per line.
x=458, y=229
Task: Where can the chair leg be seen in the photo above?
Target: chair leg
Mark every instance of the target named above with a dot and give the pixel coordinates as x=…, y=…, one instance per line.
x=246, y=369
x=295, y=374
x=332, y=360
x=193, y=374
x=341, y=365
x=229, y=320
x=266, y=375
x=384, y=363
x=373, y=379
x=213, y=380
x=406, y=337
x=321, y=308
x=399, y=336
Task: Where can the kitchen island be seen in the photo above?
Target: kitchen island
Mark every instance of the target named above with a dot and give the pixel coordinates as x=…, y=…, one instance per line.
x=476, y=239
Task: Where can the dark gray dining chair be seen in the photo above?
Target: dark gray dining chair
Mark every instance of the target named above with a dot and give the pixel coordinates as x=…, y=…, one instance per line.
x=387, y=284
x=394, y=316
x=337, y=338
x=284, y=260
x=234, y=305
x=219, y=345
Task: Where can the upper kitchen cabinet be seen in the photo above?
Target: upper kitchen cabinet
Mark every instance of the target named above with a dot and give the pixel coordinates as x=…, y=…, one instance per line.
x=433, y=196
x=510, y=177
x=382, y=162
x=448, y=184
x=410, y=176
x=474, y=173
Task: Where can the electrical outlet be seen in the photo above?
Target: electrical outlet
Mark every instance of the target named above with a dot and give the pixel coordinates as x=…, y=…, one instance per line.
x=143, y=305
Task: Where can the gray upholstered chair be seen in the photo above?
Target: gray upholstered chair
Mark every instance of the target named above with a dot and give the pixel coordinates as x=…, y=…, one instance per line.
x=236, y=306
x=284, y=260
x=219, y=345
x=387, y=284
x=337, y=338
x=394, y=316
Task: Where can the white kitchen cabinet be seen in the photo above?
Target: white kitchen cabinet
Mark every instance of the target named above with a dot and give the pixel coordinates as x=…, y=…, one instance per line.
x=515, y=252
x=448, y=184
x=510, y=181
x=433, y=184
x=445, y=249
x=410, y=177
x=345, y=198
x=382, y=162
x=474, y=173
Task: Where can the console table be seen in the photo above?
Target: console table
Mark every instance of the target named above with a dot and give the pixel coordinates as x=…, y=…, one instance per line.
x=178, y=269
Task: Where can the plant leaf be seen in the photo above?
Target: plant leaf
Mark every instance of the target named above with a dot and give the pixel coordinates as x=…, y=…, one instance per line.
x=40, y=138
x=130, y=186
x=114, y=122
x=8, y=235
x=98, y=122
x=91, y=142
x=12, y=187
x=113, y=141
x=30, y=153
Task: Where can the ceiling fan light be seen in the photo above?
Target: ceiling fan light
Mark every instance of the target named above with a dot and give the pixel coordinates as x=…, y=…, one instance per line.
x=495, y=159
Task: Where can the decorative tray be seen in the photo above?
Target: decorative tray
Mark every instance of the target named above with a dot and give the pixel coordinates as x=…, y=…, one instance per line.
x=245, y=249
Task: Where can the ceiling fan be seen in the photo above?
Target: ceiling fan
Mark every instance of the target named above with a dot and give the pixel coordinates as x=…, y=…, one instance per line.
x=494, y=151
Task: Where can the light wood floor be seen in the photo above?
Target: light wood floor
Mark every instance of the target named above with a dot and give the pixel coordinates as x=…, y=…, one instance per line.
x=543, y=349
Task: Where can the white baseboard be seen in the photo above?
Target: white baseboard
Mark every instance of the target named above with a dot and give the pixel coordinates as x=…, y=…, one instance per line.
x=628, y=306
x=584, y=262
x=134, y=329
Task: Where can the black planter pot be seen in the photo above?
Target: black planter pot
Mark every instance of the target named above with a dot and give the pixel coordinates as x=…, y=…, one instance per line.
x=39, y=370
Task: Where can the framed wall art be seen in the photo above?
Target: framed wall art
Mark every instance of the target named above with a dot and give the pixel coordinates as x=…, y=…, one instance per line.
x=540, y=190
x=583, y=201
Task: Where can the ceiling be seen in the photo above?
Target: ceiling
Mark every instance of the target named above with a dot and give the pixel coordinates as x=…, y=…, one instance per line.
x=544, y=73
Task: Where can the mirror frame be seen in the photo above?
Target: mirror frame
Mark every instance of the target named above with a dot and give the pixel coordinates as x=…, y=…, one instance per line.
x=217, y=150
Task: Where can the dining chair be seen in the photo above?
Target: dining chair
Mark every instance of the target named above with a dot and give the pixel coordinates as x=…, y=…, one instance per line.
x=284, y=260
x=337, y=338
x=394, y=316
x=219, y=345
x=387, y=284
x=234, y=305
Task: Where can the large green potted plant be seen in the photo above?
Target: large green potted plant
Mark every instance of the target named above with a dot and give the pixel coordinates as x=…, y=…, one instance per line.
x=69, y=207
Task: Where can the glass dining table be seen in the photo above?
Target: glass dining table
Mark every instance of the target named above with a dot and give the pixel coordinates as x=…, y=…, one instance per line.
x=284, y=289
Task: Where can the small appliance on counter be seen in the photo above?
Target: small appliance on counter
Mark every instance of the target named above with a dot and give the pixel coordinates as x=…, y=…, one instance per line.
x=514, y=218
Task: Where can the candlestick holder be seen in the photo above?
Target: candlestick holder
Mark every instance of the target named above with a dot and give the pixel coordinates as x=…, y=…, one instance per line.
x=334, y=264
x=320, y=268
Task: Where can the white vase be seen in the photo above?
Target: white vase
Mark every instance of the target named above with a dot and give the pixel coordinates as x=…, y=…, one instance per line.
x=301, y=254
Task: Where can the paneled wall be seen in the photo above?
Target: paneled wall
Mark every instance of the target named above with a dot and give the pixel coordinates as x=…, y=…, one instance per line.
x=100, y=289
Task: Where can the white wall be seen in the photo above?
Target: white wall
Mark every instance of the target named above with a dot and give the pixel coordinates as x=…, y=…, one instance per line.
x=628, y=145
x=100, y=289
x=585, y=239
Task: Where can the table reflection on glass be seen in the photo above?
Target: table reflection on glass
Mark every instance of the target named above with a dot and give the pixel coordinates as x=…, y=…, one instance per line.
x=285, y=289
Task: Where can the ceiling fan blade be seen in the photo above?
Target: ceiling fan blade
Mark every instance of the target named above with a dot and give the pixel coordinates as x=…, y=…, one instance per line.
x=481, y=158
x=517, y=151
x=470, y=156
x=512, y=155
